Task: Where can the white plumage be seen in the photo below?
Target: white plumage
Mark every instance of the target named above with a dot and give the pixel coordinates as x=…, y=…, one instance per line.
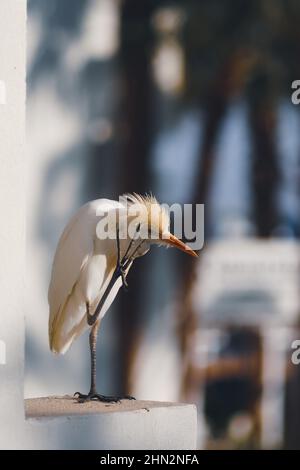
x=81, y=270
x=86, y=261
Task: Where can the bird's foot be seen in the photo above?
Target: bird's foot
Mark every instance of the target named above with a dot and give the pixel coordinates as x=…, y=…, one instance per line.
x=94, y=396
x=121, y=271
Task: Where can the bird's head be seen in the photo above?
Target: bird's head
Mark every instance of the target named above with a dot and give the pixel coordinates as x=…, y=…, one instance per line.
x=150, y=221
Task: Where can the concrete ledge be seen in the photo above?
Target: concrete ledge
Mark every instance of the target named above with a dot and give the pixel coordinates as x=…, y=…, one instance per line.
x=68, y=406
x=63, y=423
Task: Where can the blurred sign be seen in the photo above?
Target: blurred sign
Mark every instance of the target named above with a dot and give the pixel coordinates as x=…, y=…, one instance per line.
x=251, y=282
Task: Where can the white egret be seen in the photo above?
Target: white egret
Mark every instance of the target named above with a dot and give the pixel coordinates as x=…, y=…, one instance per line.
x=92, y=260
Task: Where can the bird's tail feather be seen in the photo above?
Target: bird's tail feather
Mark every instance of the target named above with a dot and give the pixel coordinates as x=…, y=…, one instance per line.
x=66, y=326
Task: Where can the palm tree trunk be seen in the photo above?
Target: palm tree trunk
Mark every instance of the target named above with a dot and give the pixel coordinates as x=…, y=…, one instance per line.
x=187, y=318
x=265, y=171
x=136, y=118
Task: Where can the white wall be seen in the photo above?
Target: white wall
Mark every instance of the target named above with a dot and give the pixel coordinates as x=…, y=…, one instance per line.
x=12, y=210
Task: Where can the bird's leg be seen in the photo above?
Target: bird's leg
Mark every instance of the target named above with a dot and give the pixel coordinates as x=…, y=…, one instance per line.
x=131, y=242
x=120, y=270
x=122, y=264
x=93, y=394
x=93, y=350
x=93, y=344
x=131, y=257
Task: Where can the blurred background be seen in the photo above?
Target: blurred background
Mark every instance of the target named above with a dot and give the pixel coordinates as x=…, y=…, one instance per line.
x=192, y=101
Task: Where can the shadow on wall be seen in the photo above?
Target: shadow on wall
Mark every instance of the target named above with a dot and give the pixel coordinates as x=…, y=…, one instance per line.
x=72, y=145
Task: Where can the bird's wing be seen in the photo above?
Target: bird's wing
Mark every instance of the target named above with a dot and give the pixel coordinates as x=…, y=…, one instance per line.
x=75, y=249
x=72, y=252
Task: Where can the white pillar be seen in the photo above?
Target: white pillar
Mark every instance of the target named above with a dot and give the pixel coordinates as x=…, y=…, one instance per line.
x=61, y=423
x=12, y=213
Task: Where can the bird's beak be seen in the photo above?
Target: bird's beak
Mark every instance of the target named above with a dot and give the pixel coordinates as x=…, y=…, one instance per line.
x=176, y=243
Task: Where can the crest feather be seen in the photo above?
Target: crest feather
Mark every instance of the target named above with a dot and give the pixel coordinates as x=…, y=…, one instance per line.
x=158, y=218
